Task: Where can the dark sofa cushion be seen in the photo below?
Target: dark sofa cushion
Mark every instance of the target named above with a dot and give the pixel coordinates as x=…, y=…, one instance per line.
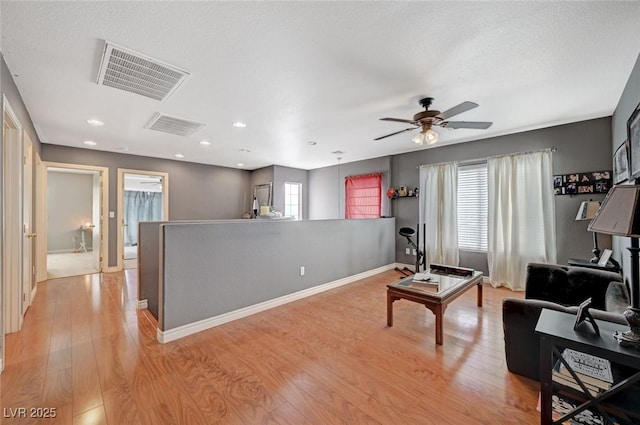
x=568, y=285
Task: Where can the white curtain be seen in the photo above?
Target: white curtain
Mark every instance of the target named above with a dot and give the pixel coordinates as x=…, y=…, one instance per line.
x=439, y=211
x=521, y=226
x=140, y=206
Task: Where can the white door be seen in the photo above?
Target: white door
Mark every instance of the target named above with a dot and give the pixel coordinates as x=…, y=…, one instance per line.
x=28, y=275
x=97, y=222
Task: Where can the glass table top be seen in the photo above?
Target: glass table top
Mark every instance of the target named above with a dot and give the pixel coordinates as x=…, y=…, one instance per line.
x=435, y=282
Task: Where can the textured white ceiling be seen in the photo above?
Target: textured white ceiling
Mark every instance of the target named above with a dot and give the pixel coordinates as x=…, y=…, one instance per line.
x=317, y=71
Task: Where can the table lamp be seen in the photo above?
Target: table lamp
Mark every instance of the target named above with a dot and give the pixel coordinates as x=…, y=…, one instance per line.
x=619, y=215
x=587, y=211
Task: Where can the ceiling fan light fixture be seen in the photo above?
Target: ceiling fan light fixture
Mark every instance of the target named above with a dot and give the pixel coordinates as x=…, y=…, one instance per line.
x=430, y=136
x=418, y=139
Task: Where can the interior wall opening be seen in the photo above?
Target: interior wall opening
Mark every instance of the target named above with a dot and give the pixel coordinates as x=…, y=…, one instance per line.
x=143, y=199
x=73, y=230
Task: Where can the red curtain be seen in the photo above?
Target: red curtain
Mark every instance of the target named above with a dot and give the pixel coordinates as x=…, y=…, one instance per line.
x=363, y=196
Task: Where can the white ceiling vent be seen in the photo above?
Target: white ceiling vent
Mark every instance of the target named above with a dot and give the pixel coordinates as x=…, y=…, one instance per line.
x=174, y=125
x=130, y=71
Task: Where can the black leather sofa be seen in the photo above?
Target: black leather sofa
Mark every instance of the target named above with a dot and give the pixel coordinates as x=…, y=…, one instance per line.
x=560, y=288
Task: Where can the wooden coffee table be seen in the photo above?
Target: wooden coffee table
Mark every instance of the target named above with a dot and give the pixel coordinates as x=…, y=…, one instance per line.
x=435, y=296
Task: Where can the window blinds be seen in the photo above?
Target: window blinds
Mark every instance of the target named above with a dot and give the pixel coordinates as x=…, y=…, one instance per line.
x=472, y=207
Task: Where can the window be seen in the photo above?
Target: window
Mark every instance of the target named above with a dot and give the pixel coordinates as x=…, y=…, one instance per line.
x=363, y=196
x=472, y=207
x=293, y=200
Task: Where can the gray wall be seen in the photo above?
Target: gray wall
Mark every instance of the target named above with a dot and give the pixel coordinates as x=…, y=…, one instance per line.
x=282, y=175
x=326, y=186
x=68, y=209
x=583, y=146
x=196, y=191
x=149, y=263
x=628, y=102
x=224, y=272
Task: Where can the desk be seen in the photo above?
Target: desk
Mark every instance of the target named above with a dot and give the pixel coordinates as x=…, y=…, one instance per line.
x=610, y=267
x=84, y=228
x=556, y=332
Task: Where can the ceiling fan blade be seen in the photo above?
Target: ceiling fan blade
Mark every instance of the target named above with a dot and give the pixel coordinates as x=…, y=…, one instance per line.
x=463, y=107
x=399, y=120
x=480, y=125
x=397, y=132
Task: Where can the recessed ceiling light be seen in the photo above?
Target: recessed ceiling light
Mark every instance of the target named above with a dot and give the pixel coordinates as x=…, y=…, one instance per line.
x=240, y=164
x=205, y=143
x=179, y=155
x=311, y=143
x=95, y=123
x=89, y=143
x=245, y=150
x=238, y=124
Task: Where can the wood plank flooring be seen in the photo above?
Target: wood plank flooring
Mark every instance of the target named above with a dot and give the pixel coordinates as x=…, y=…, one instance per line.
x=328, y=359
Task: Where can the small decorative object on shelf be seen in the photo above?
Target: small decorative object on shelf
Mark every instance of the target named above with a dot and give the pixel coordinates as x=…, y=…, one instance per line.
x=584, y=316
x=391, y=193
x=403, y=191
x=630, y=338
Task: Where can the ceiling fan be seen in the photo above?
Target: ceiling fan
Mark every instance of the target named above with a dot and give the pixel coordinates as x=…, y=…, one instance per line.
x=430, y=117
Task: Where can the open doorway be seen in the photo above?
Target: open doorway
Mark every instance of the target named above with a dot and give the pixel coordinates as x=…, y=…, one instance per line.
x=75, y=207
x=142, y=197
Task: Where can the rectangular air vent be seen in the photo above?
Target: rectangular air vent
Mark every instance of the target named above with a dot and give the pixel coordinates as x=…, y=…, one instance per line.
x=174, y=125
x=130, y=71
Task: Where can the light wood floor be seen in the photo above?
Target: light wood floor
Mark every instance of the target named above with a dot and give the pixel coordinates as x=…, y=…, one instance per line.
x=327, y=359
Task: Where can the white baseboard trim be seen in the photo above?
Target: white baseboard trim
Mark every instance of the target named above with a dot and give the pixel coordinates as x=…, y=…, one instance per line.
x=110, y=269
x=1, y=365
x=63, y=251
x=191, y=328
x=142, y=304
x=34, y=292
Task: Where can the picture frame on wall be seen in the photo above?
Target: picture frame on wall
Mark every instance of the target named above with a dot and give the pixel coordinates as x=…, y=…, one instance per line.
x=621, y=163
x=633, y=133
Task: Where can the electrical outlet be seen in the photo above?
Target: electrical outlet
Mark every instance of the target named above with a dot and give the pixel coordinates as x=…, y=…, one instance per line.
x=415, y=252
x=301, y=270
x=407, y=251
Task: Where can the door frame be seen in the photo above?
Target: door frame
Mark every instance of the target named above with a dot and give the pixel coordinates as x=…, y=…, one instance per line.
x=28, y=222
x=42, y=213
x=120, y=214
x=41, y=220
x=12, y=183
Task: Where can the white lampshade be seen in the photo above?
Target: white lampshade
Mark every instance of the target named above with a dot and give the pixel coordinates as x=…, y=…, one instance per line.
x=430, y=136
